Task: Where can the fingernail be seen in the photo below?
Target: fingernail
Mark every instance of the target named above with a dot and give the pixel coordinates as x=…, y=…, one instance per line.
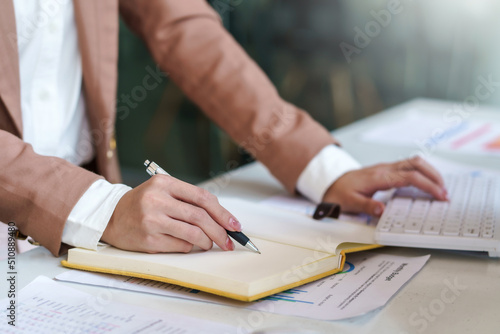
x=377, y=211
x=444, y=193
x=229, y=244
x=235, y=224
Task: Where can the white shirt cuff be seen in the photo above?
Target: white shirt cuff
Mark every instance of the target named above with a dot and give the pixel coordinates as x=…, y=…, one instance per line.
x=90, y=216
x=325, y=168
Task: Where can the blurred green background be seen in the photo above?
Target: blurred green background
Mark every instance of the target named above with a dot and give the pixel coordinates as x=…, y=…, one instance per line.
x=339, y=60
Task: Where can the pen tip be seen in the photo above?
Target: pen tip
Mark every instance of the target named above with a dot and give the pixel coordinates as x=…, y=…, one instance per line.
x=252, y=247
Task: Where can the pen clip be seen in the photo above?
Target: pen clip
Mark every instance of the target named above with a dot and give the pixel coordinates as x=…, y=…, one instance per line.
x=152, y=168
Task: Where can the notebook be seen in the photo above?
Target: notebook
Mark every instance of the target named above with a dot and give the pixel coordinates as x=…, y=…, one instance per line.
x=295, y=250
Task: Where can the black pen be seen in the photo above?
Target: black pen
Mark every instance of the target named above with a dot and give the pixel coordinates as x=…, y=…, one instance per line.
x=152, y=168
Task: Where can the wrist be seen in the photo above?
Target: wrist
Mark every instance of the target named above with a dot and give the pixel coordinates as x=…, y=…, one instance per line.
x=323, y=170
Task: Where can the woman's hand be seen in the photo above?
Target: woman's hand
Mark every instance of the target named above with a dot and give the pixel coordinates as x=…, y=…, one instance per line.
x=165, y=214
x=354, y=189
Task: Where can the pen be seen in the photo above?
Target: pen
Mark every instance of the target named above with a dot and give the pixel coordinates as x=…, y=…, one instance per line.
x=152, y=168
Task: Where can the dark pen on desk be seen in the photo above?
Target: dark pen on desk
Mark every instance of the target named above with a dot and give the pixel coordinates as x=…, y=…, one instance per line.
x=152, y=168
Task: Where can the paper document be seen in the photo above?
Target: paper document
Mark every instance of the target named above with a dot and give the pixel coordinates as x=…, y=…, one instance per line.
x=438, y=132
x=368, y=281
x=45, y=306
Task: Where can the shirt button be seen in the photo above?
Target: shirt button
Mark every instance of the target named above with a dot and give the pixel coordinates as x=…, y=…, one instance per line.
x=44, y=95
x=53, y=28
x=112, y=143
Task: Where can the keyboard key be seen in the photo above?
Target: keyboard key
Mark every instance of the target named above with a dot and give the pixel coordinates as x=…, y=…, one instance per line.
x=384, y=226
x=397, y=229
x=399, y=207
x=451, y=231
x=487, y=234
x=432, y=229
x=399, y=222
x=436, y=221
x=471, y=232
x=413, y=226
x=471, y=225
x=452, y=224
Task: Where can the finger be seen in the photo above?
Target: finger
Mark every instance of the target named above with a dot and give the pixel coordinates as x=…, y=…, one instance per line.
x=204, y=199
x=198, y=222
x=361, y=203
x=161, y=243
x=417, y=179
x=418, y=163
x=182, y=230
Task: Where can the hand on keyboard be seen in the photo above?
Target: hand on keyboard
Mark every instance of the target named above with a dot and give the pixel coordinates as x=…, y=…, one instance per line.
x=354, y=189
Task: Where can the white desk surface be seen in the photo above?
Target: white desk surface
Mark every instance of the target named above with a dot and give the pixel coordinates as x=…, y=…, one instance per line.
x=424, y=302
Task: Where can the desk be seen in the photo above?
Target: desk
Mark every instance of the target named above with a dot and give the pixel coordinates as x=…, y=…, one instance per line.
x=425, y=304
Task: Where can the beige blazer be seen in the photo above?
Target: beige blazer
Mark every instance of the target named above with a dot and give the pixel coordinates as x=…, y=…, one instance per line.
x=187, y=40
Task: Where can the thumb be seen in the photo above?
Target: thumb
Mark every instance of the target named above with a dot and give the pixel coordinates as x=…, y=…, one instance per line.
x=368, y=205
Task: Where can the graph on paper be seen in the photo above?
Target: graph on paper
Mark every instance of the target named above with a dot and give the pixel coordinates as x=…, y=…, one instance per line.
x=292, y=295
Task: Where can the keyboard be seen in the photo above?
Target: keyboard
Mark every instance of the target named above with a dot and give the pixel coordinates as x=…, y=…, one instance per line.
x=469, y=221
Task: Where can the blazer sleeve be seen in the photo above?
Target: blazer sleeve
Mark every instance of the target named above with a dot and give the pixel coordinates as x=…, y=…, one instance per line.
x=188, y=41
x=37, y=192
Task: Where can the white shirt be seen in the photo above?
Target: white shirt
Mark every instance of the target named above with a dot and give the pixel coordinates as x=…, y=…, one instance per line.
x=55, y=122
x=53, y=107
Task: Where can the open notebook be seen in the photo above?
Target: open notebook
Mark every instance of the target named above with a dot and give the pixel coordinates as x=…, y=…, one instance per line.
x=295, y=250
